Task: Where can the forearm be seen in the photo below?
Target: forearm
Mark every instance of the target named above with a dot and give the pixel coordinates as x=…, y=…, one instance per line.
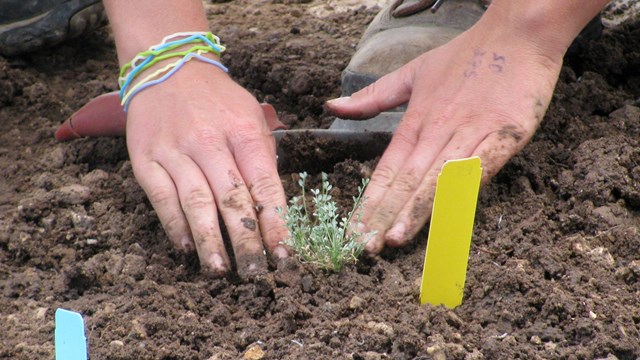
x=550, y=24
x=139, y=24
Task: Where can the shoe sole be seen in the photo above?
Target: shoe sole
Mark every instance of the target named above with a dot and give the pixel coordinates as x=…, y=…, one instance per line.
x=68, y=20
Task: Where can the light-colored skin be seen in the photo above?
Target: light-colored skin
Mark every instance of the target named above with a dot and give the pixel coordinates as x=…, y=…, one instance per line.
x=199, y=144
x=482, y=94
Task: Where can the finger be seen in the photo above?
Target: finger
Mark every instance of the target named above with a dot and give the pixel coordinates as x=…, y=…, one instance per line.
x=256, y=158
x=199, y=207
x=411, y=173
x=386, y=93
x=102, y=116
x=236, y=207
x=399, y=149
x=157, y=183
x=500, y=146
x=416, y=210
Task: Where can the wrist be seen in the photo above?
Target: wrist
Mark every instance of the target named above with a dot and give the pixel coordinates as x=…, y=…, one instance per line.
x=547, y=26
x=161, y=61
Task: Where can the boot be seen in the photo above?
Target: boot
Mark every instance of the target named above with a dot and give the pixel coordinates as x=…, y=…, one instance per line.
x=27, y=25
x=401, y=32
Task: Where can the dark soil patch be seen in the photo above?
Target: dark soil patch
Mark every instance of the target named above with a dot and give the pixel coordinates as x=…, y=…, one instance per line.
x=554, y=270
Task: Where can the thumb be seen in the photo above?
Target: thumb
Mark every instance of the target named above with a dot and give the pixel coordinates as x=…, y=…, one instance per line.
x=386, y=93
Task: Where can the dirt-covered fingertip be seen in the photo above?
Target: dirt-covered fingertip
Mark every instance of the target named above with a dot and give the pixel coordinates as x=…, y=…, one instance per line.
x=216, y=266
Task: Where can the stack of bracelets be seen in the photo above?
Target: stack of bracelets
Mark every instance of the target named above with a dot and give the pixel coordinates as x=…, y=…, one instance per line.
x=203, y=42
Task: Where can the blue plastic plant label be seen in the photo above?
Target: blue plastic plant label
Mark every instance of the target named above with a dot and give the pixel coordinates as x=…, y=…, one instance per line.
x=71, y=343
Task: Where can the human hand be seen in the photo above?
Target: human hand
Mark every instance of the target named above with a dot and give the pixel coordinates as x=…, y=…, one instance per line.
x=482, y=94
x=195, y=156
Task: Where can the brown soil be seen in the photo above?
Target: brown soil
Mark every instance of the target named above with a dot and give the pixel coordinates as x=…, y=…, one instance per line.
x=554, y=270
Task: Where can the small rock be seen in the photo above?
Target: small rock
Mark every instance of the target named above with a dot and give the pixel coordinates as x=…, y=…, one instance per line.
x=134, y=266
x=307, y=284
x=83, y=221
x=356, y=302
x=475, y=355
x=138, y=331
x=254, y=352
x=44, y=181
x=40, y=313
x=535, y=340
x=301, y=83
x=550, y=346
x=381, y=328
x=288, y=272
x=73, y=194
x=634, y=266
x=56, y=158
x=116, y=343
x=168, y=291
x=222, y=354
x=35, y=91
x=370, y=355
x=95, y=177
x=437, y=352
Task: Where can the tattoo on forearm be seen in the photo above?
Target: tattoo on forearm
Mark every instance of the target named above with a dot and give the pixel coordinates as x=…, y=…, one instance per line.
x=495, y=63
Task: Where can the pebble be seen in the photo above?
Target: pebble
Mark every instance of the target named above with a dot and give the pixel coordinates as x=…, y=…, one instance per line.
x=356, y=302
x=95, y=177
x=254, y=352
x=437, y=352
x=307, y=284
x=535, y=340
x=134, y=266
x=73, y=194
x=116, y=343
x=40, y=313
x=82, y=221
x=550, y=346
x=381, y=328
x=56, y=158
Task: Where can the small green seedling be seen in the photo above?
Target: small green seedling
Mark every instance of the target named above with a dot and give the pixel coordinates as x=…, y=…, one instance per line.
x=318, y=235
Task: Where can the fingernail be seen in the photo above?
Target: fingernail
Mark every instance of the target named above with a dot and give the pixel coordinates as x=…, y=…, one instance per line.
x=280, y=252
x=339, y=101
x=186, y=243
x=217, y=263
x=372, y=246
x=396, y=233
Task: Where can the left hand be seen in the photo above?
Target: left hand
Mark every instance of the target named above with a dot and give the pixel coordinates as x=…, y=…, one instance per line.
x=482, y=94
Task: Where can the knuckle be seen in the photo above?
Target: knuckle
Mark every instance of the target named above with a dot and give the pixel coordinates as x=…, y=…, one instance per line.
x=407, y=182
x=174, y=225
x=161, y=196
x=237, y=198
x=249, y=134
x=383, y=175
x=264, y=189
x=207, y=137
x=197, y=200
x=247, y=242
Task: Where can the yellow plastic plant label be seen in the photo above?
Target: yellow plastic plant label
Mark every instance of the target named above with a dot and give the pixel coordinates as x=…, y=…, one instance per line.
x=454, y=208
